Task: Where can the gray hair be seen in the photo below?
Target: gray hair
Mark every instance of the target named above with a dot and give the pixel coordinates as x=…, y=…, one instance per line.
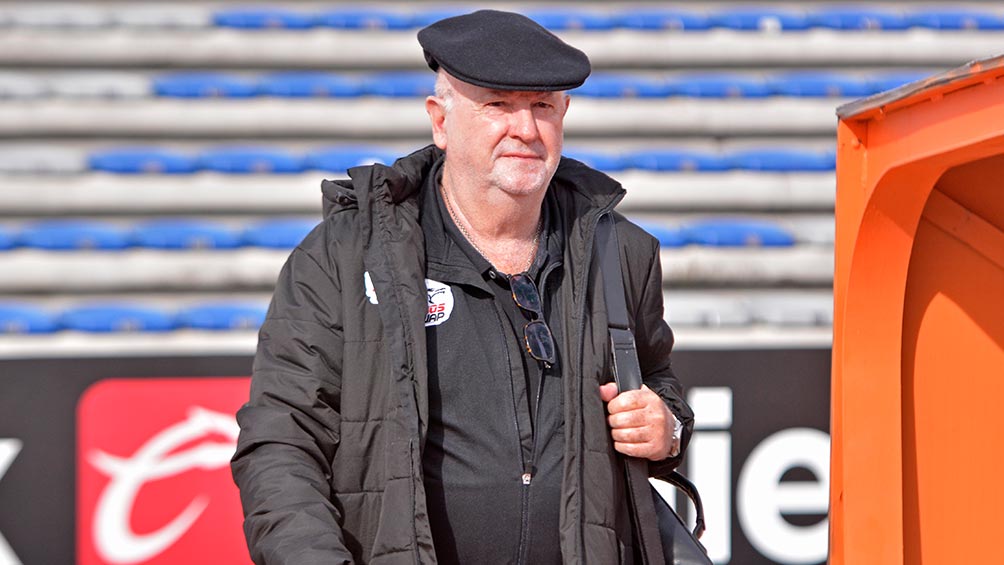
x=444, y=90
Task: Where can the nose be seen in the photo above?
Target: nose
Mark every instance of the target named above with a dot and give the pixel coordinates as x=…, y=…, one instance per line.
x=523, y=124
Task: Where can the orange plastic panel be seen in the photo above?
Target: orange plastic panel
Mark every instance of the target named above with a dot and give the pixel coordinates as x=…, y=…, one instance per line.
x=918, y=353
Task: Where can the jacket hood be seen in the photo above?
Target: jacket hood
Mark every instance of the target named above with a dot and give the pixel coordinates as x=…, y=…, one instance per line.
x=406, y=175
x=402, y=179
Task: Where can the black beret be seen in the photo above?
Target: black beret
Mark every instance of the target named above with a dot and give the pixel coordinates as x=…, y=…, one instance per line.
x=504, y=51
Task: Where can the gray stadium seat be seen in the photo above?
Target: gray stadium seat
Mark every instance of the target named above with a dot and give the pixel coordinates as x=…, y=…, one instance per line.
x=63, y=15
x=40, y=159
x=21, y=86
x=99, y=85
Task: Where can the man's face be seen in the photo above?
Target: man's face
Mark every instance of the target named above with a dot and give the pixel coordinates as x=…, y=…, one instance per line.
x=509, y=140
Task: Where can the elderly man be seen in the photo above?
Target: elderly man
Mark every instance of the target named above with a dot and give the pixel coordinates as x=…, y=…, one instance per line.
x=431, y=384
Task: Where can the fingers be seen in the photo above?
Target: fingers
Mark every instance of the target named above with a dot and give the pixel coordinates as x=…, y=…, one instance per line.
x=608, y=391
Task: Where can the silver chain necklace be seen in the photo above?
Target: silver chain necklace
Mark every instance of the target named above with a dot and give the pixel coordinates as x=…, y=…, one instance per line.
x=470, y=238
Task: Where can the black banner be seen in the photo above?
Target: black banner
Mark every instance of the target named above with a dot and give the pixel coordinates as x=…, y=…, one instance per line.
x=123, y=459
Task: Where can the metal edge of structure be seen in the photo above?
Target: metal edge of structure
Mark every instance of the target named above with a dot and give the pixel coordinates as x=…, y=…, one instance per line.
x=913, y=92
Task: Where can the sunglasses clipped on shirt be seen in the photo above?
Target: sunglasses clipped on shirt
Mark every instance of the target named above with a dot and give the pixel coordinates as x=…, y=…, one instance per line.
x=537, y=336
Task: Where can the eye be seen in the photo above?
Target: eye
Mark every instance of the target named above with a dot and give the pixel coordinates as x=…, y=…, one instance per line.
x=545, y=105
x=495, y=104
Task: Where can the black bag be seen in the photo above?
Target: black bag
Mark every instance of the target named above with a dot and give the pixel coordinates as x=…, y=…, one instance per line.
x=668, y=541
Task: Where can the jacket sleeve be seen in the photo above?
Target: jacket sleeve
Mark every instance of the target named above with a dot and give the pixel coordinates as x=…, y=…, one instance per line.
x=654, y=340
x=290, y=426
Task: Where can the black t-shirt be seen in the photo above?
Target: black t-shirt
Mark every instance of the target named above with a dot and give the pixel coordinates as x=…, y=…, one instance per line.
x=495, y=413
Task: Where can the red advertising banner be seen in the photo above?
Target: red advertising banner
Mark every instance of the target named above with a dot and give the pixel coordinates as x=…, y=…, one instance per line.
x=153, y=472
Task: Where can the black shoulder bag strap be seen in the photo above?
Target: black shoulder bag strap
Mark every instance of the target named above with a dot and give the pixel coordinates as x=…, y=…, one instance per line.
x=663, y=527
x=627, y=374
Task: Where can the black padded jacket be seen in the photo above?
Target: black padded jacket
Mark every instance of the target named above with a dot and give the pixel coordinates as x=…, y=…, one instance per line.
x=329, y=458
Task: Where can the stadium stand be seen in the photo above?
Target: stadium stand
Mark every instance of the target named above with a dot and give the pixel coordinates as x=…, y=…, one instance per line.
x=159, y=160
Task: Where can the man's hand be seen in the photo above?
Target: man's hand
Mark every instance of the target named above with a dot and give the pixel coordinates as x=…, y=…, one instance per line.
x=641, y=423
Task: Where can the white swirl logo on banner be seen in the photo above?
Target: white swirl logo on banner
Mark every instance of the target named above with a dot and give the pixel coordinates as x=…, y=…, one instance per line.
x=114, y=538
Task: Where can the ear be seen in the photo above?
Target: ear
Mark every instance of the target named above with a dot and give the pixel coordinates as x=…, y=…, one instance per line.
x=568, y=102
x=436, y=108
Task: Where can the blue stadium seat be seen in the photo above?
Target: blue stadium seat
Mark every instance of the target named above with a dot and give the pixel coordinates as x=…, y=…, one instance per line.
x=955, y=19
x=145, y=160
x=610, y=85
x=364, y=18
x=25, y=319
x=400, y=84
x=667, y=236
x=204, y=85
x=661, y=20
x=429, y=16
x=564, y=19
x=340, y=159
x=62, y=235
x=222, y=316
x=103, y=318
x=857, y=18
x=889, y=81
x=675, y=160
x=736, y=233
x=808, y=83
x=782, y=160
x=759, y=19
x=278, y=234
x=596, y=159
x=184, y=234
x=250, y=160
x=262, y=18
x=308, y=84
x=7, y=240
x=718, y=85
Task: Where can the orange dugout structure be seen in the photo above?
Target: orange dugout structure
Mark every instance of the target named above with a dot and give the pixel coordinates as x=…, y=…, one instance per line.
x=918, y=346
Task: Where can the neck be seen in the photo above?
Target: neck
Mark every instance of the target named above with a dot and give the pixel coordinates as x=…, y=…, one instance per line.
x=504, y=230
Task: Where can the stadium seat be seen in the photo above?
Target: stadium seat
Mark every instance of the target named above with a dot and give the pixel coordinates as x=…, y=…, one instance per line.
x=308, y=84
x=174, y=16
x=955, y=19
x=857, y=18
x=890, y=81
x=817, y=84
x=222, y=316
x=782, y=160
x=793, y=310
x=262, y=18
x=674, y=160
x=100, y=85
x=736, y=233
x=695, y=310
x=250, y=160
x=400, y=84
x=184, y=234
x=278, y=234
x=364, y=18
x=142, y=160
x=598, y=160
x=566, y=19
x=65, y=15
x=609, y=85
x=62, y=235
x=340, y=159
x=7, y=239
x=25, y=319
x=758, y=19
x=41, y=159
x=718, y=85
x=650, y=19
x=22, y=86
x=204, y=85
x=102, y=318
x=667, y=236
x=429, y=16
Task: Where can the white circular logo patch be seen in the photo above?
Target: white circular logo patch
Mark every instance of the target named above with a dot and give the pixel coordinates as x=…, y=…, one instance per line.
x=440, y=302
